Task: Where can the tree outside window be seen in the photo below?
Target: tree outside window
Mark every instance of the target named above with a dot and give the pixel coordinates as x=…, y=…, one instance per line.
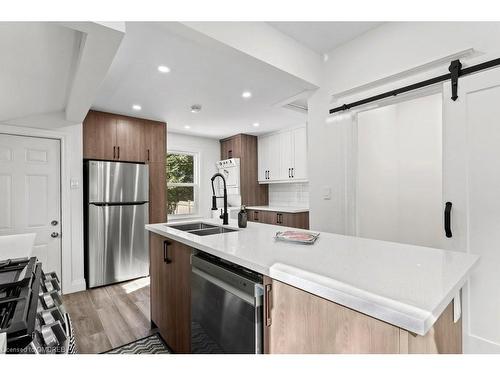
x=181, y=184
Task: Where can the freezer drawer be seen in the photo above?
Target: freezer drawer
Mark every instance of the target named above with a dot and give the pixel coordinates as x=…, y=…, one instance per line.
x=114, y=182
x=118, y=247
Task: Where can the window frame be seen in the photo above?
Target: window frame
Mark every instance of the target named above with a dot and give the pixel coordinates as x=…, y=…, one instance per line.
x=195, y=184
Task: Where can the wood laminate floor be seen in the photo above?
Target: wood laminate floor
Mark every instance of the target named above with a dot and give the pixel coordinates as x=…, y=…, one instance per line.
x=107, y=317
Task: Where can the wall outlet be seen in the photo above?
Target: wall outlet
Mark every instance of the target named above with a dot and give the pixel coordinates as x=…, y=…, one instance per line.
x=327, y=193
x=74, y=183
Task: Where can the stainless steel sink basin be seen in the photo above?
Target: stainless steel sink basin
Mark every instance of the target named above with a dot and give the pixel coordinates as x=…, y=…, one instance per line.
x=210, y=231
x=192, y=226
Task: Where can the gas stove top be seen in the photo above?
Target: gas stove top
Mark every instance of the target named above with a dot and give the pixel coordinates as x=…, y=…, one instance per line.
x=31, y=310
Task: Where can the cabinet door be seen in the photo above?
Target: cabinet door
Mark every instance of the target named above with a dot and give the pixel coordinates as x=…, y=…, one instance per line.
x=286, y=155
x=299, y=138
x=274, y=158
x=155, y=141
x=263, y=155
x=231, y=147
x=254, y=215
x=156, y=272
x=157, y=192
x=99, y=136
x=178, y=289
x=295, y=220
x=321, y=325
x=130, y=140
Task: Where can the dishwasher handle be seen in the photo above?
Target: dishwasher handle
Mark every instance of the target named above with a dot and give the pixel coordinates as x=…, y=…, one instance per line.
x=223, y=285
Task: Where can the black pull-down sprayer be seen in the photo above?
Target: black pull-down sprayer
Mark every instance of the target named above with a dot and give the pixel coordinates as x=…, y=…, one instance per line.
x=224, y=216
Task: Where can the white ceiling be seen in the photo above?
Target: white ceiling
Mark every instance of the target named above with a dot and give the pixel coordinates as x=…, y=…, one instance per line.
x=36, y=67
x=323, y=37
x=202, y=72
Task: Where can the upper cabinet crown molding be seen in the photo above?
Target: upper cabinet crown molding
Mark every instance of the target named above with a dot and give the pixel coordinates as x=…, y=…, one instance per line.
x=283, y=156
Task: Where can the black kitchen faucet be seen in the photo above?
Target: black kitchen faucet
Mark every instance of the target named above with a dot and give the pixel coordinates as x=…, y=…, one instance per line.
x=224, y=215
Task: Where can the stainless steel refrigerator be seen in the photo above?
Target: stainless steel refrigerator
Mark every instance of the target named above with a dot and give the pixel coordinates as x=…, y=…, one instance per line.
x=116, y=210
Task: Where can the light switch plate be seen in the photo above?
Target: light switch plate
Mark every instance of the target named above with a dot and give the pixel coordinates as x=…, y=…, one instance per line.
x=74, y=183
x=327, y=193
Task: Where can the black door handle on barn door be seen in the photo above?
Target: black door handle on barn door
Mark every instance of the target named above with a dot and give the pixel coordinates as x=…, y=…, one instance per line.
x=447, y=219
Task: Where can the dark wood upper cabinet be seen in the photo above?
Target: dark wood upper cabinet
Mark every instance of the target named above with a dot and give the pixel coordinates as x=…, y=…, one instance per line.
x=108, y=136
x=244, y=147
x=155, y=144
x=130, y=139
x=99, y=136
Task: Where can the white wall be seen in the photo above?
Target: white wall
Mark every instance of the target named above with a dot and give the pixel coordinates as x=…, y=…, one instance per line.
x=385, y=51
x=72, y=199
x=208, y=151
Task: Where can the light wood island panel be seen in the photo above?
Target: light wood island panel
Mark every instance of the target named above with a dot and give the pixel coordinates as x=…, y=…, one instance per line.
x=302, y=323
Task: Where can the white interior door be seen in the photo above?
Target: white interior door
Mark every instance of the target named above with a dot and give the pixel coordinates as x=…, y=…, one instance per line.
x=30, y=194
x=472, y=184
x=399, y=172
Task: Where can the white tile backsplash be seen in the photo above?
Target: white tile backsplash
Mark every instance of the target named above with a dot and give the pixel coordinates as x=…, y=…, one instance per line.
x=289, y=195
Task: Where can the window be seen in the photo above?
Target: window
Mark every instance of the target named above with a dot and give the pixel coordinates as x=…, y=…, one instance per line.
x=182, y=183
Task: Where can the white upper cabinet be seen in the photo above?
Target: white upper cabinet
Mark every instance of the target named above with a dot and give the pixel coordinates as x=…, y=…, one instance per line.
x=283, y=156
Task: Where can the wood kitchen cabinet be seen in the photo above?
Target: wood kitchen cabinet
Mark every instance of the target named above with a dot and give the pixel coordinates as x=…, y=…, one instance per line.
x=130, y=142
x=283, y=156
x=108, y=136
x=99, y=136
x=298, y=322
x=244, y=147
x=155, y=134
x=287, y=219
x=170, y=274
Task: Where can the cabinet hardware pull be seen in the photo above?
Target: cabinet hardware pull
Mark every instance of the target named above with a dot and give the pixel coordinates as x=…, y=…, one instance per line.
x=289, y=173
x=267, y=302
x=256, y=215
x=293, y=172
x=447, y=219
x=165, y=252
x=114, y=152
x=148, y=155
x=118, y=157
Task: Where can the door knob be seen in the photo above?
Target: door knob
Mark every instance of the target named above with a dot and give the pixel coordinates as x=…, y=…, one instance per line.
x=54, y=222
x=54, y=235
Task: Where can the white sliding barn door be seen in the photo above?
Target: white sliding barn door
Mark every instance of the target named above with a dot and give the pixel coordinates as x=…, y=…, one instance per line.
x=471, y=167
x=399, y=172
x=30, y=193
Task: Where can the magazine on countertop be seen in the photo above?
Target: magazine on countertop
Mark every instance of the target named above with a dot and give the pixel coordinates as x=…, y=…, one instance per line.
x=297, y=236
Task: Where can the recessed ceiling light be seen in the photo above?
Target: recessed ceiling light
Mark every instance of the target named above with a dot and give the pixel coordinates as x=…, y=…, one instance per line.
x=256, y=124
x=187, y=127
x=246, y=95
x=163, y=69
x=195, y=108
x=136, y=107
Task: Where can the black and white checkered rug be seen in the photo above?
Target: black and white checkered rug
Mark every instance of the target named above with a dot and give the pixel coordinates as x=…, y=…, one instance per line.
x=148, y=345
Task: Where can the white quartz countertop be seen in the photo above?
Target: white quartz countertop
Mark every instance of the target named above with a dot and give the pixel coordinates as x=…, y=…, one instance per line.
x=292, y=210
x=404, y=285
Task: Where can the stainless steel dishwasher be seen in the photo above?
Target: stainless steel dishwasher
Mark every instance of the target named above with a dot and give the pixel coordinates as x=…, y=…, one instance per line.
x=226, y=307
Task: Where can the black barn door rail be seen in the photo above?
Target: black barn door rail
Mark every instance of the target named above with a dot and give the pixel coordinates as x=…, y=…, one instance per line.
x=455, y=69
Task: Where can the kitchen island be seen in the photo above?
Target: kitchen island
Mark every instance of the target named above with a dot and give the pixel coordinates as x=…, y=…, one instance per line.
x=384, y=295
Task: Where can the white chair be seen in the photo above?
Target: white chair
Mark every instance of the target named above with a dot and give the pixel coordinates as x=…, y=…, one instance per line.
x=16, y=245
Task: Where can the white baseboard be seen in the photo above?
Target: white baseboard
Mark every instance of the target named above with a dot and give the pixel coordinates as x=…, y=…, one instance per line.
x=75, y=286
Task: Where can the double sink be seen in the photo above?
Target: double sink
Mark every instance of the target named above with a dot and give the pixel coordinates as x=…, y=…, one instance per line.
x=202, y=229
